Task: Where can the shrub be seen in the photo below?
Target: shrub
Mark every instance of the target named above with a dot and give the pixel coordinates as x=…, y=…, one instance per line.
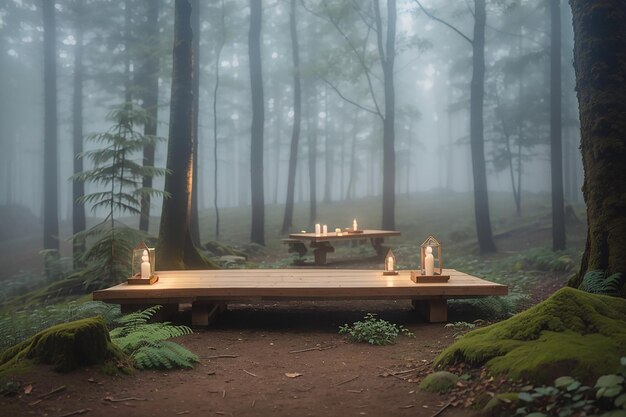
x=374, y=331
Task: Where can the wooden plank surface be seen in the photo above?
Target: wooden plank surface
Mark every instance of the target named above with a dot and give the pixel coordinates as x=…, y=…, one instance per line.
x=296, y=284
x=367, y=234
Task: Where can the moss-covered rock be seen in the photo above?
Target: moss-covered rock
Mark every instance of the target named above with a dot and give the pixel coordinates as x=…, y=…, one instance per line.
x=220, y=249
x=572, y=332
x=67, y=346
x=439, y=382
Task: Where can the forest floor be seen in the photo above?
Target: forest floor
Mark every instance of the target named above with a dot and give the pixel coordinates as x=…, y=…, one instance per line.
x=288, y=358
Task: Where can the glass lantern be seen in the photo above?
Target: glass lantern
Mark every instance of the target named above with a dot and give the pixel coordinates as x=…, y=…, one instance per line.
x=430, y=256
x=138, y=252
x=390, y=264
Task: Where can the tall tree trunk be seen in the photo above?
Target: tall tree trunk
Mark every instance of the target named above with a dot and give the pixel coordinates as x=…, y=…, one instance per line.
x=389, y=153
x=352, y=173
x=329, y=157
x=257, y=233
x=78, y=187
x=50, y=168
x=297, y=109
x=477, y=140
x=150, y=98
x=218, y=53
x=175, y=248
x=128, y=78
x=556, y=153
x=194, y=223
x=600, y=74
x=312, y=145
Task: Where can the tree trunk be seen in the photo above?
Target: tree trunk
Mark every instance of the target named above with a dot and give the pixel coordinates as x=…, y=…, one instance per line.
x=150, y=98
x=352, y=173
x=78, y=187
x=128, y=95
x=174, y=248
x=194, y=223
x=556, y=153
x=257, y=233
x=218, y=53
x=50, y=168
x=599, y=56
x=389, y=154
x=329, y=158
x=477, y=142
x=297, y=108
x=312, y=145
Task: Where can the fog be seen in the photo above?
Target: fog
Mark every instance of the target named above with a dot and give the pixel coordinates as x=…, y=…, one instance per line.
x=432, y=74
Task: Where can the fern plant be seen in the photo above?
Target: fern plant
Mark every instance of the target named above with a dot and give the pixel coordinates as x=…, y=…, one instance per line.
x=596, y=282
x=146, y=343
x=119, y=179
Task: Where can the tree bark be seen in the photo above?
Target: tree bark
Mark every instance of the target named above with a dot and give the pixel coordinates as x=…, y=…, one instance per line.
x=175, y=250
x=312, y=145
x=387, y=56
x=128, y=78
x=194, y=223
x=78, y=187
x=218, y=53
x=297, y=109
x=556, y=153
x=150, y=98
x=600, y=65
x=257, y=233
x=50, y=161
x=477, y=141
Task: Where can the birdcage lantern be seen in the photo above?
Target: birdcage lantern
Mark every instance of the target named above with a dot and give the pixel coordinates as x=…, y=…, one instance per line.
x=142, y=265
x=430, y=256
x=390, y=264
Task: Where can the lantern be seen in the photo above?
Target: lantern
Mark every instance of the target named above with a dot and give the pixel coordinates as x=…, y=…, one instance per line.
x=390, y=264
x=142, y=266
x=430, y=255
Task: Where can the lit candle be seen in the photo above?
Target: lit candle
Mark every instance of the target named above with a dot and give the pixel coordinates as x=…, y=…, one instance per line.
x=325, y=230
x=145, y=265
x=429, y=261
x=338, y=231
x=318, y=229
x=390, y=265
x=354, y=225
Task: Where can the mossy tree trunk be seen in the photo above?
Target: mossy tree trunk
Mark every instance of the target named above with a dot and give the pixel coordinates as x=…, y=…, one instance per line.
x=600, y=64
x=175, y=250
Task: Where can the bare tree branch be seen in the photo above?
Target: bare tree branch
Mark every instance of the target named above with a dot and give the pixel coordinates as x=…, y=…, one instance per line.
x=427, y=13
x=354, y=103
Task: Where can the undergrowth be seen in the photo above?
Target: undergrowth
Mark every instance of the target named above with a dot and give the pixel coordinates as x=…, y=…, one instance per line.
x=374, y=331
x=596, y=282
x=19, y=326
x=146, y=343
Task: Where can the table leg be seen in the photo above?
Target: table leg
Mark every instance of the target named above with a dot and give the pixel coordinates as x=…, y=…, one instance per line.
x=320, y=251
x=377, y=244
x=434, y=311
x=203, y=313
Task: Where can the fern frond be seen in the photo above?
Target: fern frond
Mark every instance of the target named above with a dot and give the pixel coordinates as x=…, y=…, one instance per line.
x=596, y=282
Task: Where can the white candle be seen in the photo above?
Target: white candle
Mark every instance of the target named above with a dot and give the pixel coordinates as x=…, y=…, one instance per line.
x=318, y=229
x=354, y=225
x=429, y=261
x=338, y=231
x=145, y=265
x=390, y=266
x=325, y=230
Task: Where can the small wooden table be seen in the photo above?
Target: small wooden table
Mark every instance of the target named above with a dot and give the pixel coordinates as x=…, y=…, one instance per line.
x=321, y=245
x=210, y=290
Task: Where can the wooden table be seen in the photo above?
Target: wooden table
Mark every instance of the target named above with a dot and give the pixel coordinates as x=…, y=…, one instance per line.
x=321, y=245
x=210, y=290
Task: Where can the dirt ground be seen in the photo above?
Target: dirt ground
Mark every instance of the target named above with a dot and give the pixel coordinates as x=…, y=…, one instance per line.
x=340, y=379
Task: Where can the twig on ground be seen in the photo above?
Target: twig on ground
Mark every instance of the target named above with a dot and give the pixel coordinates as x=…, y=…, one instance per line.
x=48, y=394
x=253, y=403
x=180, y=413
x=392, y=373
x=219, y=356
x=119, y=400
x=407, y=406
x=249, y=373
x=355, y=391
x=76, y=412
x=310, y=349
x=442, y=409
x=346, y=381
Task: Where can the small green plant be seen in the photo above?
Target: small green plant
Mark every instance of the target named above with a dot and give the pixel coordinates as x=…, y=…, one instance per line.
x=596, y=282
x=460, y=328
x=374, y=331
x=570, y=397
x=146, y=343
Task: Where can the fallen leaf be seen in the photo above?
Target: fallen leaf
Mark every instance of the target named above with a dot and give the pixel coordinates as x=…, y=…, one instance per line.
x=28, y=389
x=293, y=374
x=91, y=380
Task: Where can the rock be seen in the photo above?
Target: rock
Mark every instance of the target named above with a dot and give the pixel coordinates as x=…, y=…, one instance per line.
x=230, y=260
x=219, y=249
x=67, y=346
x=439, y=382
x=502, y=405
x=571, y=333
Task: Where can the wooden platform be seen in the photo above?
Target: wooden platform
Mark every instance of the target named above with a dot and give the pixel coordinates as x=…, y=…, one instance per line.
x=210, y=289
x=321, y=244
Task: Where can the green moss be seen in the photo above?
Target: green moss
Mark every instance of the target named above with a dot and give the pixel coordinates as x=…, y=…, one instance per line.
x=67, y=346
x=439, y=382
x=572, y=332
